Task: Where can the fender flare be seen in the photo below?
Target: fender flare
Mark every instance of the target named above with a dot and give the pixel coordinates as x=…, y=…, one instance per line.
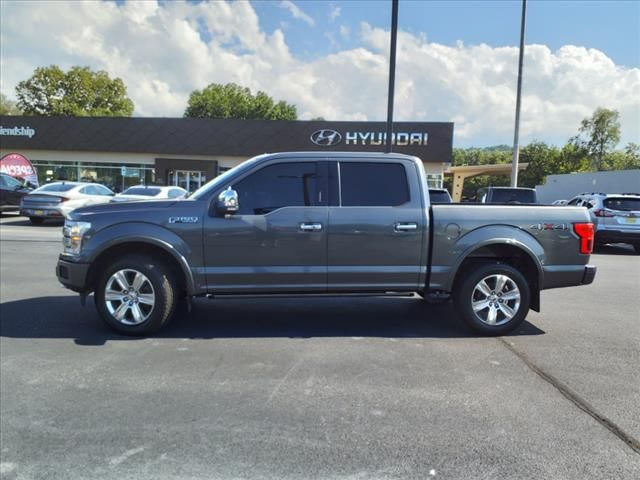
x=498, y=235
x=153, y=235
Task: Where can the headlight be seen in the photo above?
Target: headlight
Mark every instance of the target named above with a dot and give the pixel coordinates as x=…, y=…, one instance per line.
x=72, y=235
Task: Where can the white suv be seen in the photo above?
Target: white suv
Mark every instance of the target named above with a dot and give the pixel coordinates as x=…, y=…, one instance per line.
x=616, y=216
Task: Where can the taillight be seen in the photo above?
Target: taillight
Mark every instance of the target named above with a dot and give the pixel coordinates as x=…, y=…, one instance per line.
x=585, y=232
x=603, y=212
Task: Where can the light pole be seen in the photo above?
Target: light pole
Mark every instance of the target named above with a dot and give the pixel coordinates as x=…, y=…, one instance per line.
x=392, y=74
x=516, y=148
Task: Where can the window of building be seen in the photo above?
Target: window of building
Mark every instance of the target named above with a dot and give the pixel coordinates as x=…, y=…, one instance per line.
x=435, y=180
x=276, y=186
x=373, y=184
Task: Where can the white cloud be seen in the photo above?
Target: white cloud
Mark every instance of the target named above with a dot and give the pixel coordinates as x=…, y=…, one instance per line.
x=297, y=12
x=334, y=12
x=158, y=52
x=344, y=31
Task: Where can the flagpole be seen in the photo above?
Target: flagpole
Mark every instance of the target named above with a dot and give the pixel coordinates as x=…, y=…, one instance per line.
x=392, y=74
x=516, y=148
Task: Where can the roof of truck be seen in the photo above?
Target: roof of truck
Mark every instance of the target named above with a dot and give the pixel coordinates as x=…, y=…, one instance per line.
x=334, y=154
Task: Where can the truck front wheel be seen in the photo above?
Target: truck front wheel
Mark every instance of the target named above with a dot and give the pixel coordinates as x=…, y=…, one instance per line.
x=493, y=299
x=136, y=295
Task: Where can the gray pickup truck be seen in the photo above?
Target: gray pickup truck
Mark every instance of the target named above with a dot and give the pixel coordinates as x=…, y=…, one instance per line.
x=322, y=224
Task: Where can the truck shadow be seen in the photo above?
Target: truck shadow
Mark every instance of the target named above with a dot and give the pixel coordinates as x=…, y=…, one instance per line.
x=614, y=249
x=63, y=317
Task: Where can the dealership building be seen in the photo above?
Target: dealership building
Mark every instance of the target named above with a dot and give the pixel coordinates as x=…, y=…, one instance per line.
x=120, y=152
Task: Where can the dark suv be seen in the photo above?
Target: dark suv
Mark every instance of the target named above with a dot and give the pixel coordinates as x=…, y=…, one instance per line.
x=11, y=192
x=616, y=216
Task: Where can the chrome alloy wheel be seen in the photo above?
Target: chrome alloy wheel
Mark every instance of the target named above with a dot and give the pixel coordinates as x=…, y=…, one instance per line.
x=495, y=299
x=129, y=297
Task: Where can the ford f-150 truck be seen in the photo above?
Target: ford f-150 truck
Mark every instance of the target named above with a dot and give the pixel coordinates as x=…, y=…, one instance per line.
x=315, y=223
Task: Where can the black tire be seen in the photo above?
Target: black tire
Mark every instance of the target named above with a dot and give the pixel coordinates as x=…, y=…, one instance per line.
x=636, y=247
x=465, y=293
x=36, y=220
x=163, y=288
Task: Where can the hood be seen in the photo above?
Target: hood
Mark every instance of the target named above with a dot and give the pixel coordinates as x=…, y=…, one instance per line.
x=120, y=207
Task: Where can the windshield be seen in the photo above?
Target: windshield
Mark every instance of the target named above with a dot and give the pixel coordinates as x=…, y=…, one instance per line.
x=221, y=179
x=146, y=191
x=57, y=187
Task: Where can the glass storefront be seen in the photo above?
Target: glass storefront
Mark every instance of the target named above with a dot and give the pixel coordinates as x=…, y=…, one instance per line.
x=435, y=180
x=115, y=176
x=190, y=180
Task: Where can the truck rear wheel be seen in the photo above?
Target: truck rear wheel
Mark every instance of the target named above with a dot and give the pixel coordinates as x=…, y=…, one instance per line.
x=493, y=299
x=136, y=295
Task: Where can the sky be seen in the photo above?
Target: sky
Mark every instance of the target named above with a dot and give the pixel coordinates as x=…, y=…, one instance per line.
x=457, y=60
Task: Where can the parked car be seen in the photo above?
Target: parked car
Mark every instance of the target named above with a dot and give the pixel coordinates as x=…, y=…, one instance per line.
x=559, y=203
x=318, y=223
x=514, y=195
x=616, y=216
x=11, y=192
x=149, y=192
x=56, y=200
x=439, y=195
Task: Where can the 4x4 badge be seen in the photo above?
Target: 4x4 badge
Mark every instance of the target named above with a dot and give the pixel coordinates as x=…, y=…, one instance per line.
x=548, y=226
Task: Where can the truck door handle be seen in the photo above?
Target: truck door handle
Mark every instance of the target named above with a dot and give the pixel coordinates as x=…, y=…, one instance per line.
x=310, y=227
x=405, y=227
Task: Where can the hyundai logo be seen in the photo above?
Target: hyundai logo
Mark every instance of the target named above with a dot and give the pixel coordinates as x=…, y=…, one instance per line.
x=326, y=138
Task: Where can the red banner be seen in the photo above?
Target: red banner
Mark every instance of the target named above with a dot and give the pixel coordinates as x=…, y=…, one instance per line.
x=19, y=166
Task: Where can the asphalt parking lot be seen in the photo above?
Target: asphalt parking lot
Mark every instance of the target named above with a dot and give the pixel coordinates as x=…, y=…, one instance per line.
x=357, y=388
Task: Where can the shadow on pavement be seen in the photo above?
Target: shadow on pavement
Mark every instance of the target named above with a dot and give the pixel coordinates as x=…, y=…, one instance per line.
x=614, y=249
x=16, y=221
x=63, y=317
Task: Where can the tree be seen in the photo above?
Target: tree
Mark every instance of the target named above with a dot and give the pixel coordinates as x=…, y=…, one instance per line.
x=8, y=107
x=598, y=135
x=79, y=92
x=234, y=101
x=628, y=159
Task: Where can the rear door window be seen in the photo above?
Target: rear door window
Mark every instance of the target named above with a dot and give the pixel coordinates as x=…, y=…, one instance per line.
x=369, y=184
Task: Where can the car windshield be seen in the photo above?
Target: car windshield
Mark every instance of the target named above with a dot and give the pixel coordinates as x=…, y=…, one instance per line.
x=623, y=204
x=439, y=196
x=508, y=195
x=146, y=191
x=221, y=179
x=57, y=187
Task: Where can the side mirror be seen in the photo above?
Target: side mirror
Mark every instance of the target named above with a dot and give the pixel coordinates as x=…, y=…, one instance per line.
x=227, y=202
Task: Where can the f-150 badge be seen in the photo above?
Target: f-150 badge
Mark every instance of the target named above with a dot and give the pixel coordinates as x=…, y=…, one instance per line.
x=184, y=219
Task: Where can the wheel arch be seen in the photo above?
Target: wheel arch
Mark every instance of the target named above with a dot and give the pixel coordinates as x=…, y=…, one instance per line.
x=155, y=248
x=510, y=252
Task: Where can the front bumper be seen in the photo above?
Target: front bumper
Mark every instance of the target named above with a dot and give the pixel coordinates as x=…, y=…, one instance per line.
x=73, y=275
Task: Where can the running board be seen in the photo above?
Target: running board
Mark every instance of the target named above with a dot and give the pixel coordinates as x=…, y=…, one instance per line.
x=212, y=296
